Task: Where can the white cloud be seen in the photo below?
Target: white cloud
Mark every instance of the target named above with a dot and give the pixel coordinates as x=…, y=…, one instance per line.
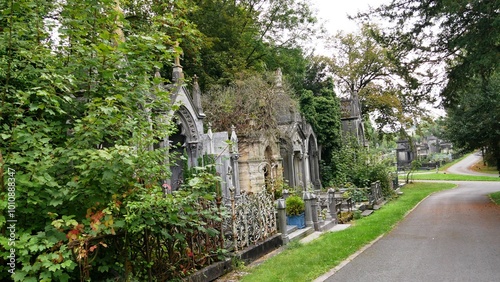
x=335, y=12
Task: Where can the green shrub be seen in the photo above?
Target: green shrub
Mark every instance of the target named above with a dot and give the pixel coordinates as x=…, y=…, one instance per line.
x=294, y=205
x=346, y=194
x=359, y=195
x=356, y=215
x=353, y=164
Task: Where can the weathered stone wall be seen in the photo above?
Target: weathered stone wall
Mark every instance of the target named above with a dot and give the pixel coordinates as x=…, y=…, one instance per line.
x=256, y=156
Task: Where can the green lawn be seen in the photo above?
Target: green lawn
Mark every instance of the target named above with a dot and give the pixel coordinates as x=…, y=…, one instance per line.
x=495, y=197
x=307, y=262
x=455, y=177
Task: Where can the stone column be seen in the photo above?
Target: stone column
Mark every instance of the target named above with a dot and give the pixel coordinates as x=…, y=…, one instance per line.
x=285, y=194
x=307, y=172
x=282, y=220
x=314, y=211
x=313, y=162
x=304, y=171
x=293, y=180
x=332, y=204
x=308, y=212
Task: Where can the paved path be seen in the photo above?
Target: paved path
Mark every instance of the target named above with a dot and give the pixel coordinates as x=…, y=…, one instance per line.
x=462, y=167
x=452, y=235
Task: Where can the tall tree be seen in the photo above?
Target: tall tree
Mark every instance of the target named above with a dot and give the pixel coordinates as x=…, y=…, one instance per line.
x=365, y=69
x=317, y=75
x=247, y=36
x=465, y=34
x=473, y=121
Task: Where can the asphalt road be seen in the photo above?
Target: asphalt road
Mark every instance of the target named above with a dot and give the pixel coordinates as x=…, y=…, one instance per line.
x=462, y=167
x=452, y=235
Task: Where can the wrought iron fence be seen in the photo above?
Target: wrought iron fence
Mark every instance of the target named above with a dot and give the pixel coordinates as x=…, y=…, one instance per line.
x=252, y=219
x=167, y=250
x=164, y=251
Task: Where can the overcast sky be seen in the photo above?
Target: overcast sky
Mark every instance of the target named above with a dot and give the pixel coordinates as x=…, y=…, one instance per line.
x=335, y=12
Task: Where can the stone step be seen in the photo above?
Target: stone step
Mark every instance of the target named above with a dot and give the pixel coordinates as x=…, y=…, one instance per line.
x=300, y=233
x=291, y=228
x=366, y=212
x=327, y=224
x=360, y=206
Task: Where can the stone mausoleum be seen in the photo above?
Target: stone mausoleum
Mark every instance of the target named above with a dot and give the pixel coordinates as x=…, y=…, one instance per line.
x=244, y=164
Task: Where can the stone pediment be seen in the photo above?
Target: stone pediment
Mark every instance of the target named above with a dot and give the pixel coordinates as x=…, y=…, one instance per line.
x=181, y=96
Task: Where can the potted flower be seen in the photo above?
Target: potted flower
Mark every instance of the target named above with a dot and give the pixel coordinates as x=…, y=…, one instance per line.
x=295, y=207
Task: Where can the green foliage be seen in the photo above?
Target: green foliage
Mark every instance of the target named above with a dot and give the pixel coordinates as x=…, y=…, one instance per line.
x=353, y=164
x=252, y=104
x=172, y=224
x=205, y=172
x=322, y=111
x=463, y=34
x=294, y=205
x=356, y=214
x=242, y=37
x=414, y=166
x=80, y=109
x=473, y=122
x=370, y=71
x=359, y=194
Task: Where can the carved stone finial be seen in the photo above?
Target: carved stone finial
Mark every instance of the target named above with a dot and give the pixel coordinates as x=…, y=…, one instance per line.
x=197, y=96
x=209, y=131
x=279, y=78
x=177, y=74
x=177, y=60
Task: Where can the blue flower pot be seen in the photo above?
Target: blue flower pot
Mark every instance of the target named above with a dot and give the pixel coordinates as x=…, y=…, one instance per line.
x=297, y=220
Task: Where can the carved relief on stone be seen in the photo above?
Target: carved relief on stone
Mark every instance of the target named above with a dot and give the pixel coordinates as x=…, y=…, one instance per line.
x=190, y=131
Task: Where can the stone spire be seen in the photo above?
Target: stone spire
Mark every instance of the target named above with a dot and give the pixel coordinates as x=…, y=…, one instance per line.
x=210, y=135
x=177, y=74
x=197, y=95
x=279, y=78
x=158, y=75
x=233, y=148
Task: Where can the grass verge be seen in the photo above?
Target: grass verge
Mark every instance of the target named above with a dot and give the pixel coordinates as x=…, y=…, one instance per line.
x=495, y=197
x=453, y=177
x=305, y=262
x=481, y=167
